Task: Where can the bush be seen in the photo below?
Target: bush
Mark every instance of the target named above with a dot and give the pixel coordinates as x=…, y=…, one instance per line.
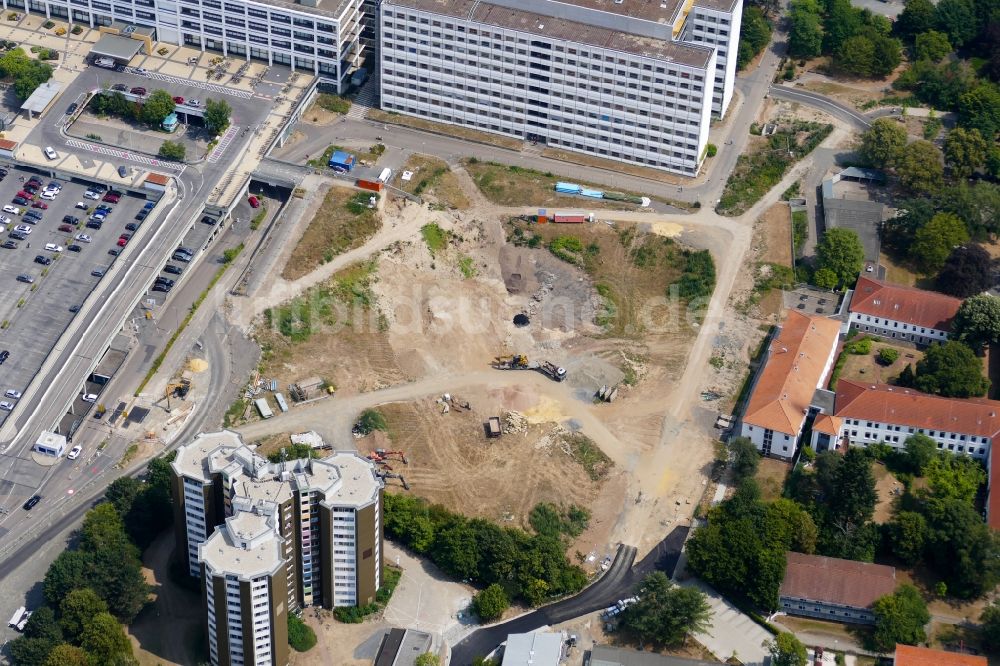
x=859, y=347
x=300, y=635
x=370, y=421
x=490, y=603
x=698, y=278
x=172, y=150
x=888, y=356
x=711, y=150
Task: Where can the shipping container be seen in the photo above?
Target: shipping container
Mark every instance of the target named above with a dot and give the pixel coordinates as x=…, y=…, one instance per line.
x=369, y=185
x=263, y=408
x=571, y=217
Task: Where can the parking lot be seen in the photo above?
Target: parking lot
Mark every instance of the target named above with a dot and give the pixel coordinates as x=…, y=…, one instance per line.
x=812, y=301
x=35, y=313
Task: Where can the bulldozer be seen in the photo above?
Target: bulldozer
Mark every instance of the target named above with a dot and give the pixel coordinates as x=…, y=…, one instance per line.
x=511, y=362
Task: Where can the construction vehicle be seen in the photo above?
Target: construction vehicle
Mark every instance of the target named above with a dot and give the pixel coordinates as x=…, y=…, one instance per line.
x=384, y=455
x=521, y=362
x=393, y=475
x=552, y=370
x=493, y=427
x=178, y=388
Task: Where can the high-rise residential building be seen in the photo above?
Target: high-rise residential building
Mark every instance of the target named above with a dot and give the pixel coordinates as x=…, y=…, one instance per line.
x=321, y=37
x=631, y=80
x=304, y=532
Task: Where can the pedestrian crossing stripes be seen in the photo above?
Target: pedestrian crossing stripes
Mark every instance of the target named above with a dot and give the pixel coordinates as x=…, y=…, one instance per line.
x=204, y=85
x=126, y=155
x=223, y=144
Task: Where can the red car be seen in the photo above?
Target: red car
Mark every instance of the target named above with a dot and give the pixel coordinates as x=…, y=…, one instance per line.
x=123, y=240
x=22, y=193
x=112, y=197
x=178, y=100
x=67, y=228
x=253, y=201
x=34, y=182
x=40, y=204
x=138, y=90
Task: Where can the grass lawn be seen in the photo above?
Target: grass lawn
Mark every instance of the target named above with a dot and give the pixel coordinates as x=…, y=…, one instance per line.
x=866, y=368
x=515, y=186
x=434, y=180
x=343, y=222
x=897, y=273
x=770, y=477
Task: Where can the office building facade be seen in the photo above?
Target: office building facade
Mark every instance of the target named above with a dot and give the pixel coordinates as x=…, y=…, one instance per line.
x=636, y=82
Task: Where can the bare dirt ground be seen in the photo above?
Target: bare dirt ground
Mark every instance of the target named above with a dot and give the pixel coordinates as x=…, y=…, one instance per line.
x=887, y=488
x=853, y=92
x=775, y=232
x=771, y=476
x=433, y=180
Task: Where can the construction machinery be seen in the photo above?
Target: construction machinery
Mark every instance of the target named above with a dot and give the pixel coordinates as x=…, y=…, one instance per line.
x=178, y=388
x=493, y=427
x=379, y=455
x=521, y=362
x=393, y=475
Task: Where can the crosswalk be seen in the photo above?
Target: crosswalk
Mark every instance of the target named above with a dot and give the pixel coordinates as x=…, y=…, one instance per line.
x=223, y=144
x=204, y=85
x=126, y=155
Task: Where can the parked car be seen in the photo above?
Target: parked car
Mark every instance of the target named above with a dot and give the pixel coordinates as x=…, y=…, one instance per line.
x=132, y=226
x=123, y=172
x=16, y=235
x=32, y=501
x=186, y=258
x=9, y=245
x=54, y=185
x=89, y=397
x=42, y=259
x=74, y=248
x=161, y=288
x=51, y=154
x=97, y=272
x=173, y=270
x=112, y=197
x=196, y=103
x=27, y=279
x=208, y=220
x=23, y=228
x=49, y=195
x=142, y=215
x=149, y=205
x=72, y=109
x=74, y=453
x=90, y=194
x=52, y=247
x=94, y=224
x=82, y=205
x=122, y=242
x=41, y=205
x=83, y=238
x=70, y=219
x=120, y=87
x=11, y=393
x=4, y=355
x=67, y=228
x=142, y=71
x=253, y=201
x=115, y=251
x=138, y=90
x=6, y=405
x=178, y=100
x=20, y=201
x=105, y=208
x=163, y=280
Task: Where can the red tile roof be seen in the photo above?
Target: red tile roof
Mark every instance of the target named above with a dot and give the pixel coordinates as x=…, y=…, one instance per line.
x=836, y=581
x=907, y=655
x=908, y=407
x=827, y=424
x=795, y=367
x=7, y=144
x=904, y=304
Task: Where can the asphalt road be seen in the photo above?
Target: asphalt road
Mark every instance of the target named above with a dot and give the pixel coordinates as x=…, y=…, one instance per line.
x=856, y=119
x=616, y=583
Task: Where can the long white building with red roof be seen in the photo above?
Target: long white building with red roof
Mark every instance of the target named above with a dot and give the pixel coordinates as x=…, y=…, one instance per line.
x=901, y=313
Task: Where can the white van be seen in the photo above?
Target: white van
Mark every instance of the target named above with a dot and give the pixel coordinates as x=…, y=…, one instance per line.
x=385, y=176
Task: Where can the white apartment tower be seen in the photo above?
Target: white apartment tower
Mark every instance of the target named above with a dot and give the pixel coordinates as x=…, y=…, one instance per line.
x=631, y=80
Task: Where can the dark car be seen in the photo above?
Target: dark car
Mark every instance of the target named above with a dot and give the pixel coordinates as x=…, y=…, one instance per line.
x=74, y=308
x=161, y=287
x=208, y=220
x=112, y=197
x=123, y=172
x=173, y=270
x=71, y=219
x=185, y=258
x=25, y=278
x=20, y=201
x=164, y=280
x=149, y=205
x=32, y=215
x=138, y=90
x=132, y=226
x=74, y=248
x=4, y=355
x=32, y=501
x=97, y=272
x=17, y=235
x=9, y=245
x=42, y=259
x=72, y=108
x=67, y=228
x=94, y=224
x=142, y=215
x=103, y=207
x=120, y=87
x=115, y=251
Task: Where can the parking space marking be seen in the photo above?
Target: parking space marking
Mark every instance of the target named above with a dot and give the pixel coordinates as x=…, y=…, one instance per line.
x=210, y=87
x=125, y=155
x=223, y=144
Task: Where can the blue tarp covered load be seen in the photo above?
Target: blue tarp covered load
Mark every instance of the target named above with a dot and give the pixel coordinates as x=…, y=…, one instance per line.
x=342, y=160
x=595, y=194
x=568, y=188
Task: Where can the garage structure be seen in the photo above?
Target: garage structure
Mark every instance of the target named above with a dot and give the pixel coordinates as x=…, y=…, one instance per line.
x=118, y=48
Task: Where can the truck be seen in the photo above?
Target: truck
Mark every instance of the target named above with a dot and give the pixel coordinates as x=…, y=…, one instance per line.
x=20, y=618
x=552, y=370
x=521, y=362
x=493, y=427
x=359, y=77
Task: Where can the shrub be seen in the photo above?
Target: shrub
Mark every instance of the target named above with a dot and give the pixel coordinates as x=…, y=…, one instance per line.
x=300, y=635
x=888, y=356
x=371, y=420
x=711, y=150
x=859, y=347
x=490, y=603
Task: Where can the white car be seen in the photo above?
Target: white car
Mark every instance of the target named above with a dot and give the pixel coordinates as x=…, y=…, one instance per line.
x=51, y=154
x=13, y=210
x=6, y=406
x=2, y=228
x=82, y=205
x=11, y=393
x=196, y=103
x=83, y=238
x=91, y=194
x=49, y=195
x=5, y=220
x=89, y=397
x=23, y=228
x=142, y=71
x=52, y=247
x=74, y=453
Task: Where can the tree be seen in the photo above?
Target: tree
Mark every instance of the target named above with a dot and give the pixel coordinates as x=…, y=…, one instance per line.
x=102, y=528
x=955, y=477
x=977, y=204
x=967, y=271
x=76, y=610
x=105, y=640
x=965, y=151
x=919, y=167
x=745, y=458
x=979, y=107
x=977, y=322
x=68, y=572
x=172, y=150
x=888, y=55
x=917, y=17
x=825, y=278
x=883, y=142
x=840, y=250
x=935, y=241
x=157, y=107
x=957, y=18
x=122, y=493
x=491, y=603
x=907, y=536
x=932, y=45
x=217, y=115
x=989, y=632
x=852, y=496
x=26, y=72
x=42, y=624
x=900, y=618
x=371, y=420
x=805, y=38
x=301, y=636
x=951, y=370
x=961, y=548
x=427, y=659
x=888, y=355
x=666, y=613
x=920, y=451
x=856, y=56
x=25, y=651
x=755, y=34
x=787, y=650
x=67, y=655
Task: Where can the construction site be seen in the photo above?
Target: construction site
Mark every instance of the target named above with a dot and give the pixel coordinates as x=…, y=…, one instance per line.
x=510, y=371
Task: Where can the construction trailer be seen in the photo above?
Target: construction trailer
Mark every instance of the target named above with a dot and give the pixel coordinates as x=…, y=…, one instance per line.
x=263, y=408
x=493, y=427
x=341, y=161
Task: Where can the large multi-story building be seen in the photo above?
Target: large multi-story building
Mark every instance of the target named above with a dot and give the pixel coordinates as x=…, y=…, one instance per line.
x=324, y=518
x=903, y=313
x=322, y=37
x=636, y=81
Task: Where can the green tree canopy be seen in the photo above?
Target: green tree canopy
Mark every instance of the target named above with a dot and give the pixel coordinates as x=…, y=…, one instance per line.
x=955, y=477
x=856, y=56
x=907, y=536
x=105, y=640
x=25, y=651
x=920, y=167
x=755, y=34
x=301, y=636
x=989, y=631
x=965, y=151
x=951, y=370
x=805, y=38
x=156, y=107
x=43, y=624
x=68, y=572
x=935, y=241
x=217, y=115
x=977, y=322
x=883, y=142
x=900, y=618
x=26, y=73
x=491, y=603
x=919, y=16
x=920, y=451
x=744, y=456
x=979, y=107
x=65, y=654
x=840, y=251
x=76, y=610
x=932, y=45
x=787, y=650
x=957, y=19
x=961, y=548
x=967, y=271
x=666, y=613
x=172, y=150
x=888, y=55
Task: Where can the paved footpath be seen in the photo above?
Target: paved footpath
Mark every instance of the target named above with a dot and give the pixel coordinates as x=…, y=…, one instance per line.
x=732, y=632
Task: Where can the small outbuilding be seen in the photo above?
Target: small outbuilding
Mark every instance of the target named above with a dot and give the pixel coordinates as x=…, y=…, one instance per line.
x=342, y=161
x=41, y=99
x=119, y=48
x=50, y=444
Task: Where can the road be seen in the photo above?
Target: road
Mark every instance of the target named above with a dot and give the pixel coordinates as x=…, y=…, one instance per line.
x=616, y=583
x=855, y=119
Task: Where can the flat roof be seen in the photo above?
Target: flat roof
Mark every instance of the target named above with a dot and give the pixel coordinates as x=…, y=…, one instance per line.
x=116, y=46
x=157, y=178
x=552, y=27
x=540, y=649
x=43, y=95
x=335, y=13
x=192, y=458
x=247, y=545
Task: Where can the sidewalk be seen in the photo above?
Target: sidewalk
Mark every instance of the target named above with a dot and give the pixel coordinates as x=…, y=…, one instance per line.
x=732, y=633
